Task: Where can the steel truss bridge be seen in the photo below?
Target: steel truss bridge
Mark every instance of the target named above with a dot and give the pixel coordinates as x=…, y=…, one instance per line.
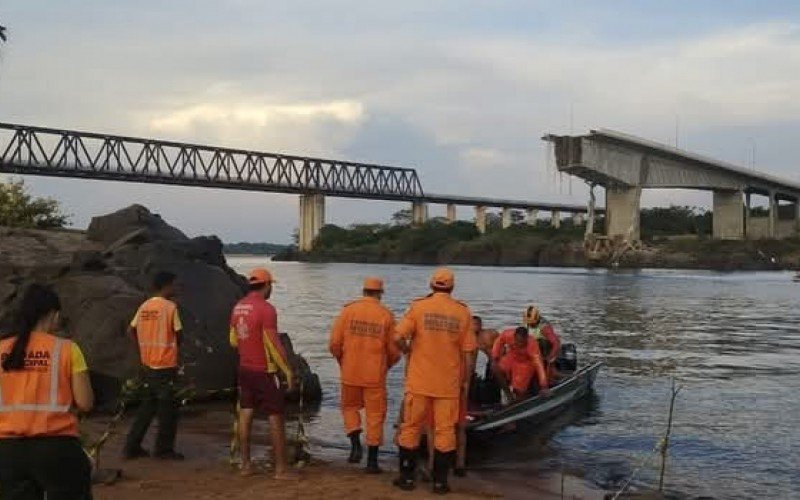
x=41, y=151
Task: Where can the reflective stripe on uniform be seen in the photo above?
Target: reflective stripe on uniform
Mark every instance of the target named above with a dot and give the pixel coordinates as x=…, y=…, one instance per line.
x=536, y=332
x=53, y=405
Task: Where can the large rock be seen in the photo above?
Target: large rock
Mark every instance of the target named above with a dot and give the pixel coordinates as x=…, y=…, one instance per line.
x=104, y=275
x=135, y=218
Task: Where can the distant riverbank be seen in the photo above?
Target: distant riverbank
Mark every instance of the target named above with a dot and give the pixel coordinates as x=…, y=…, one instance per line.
x=521, y=245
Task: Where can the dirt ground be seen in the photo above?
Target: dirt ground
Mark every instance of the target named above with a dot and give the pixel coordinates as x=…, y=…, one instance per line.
x=207, y=474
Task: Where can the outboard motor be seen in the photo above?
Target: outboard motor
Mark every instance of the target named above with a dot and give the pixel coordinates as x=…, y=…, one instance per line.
x=568, y=359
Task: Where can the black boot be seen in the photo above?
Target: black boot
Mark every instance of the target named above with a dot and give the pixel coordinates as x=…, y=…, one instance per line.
x=441, y=468
x=356, y=452
x=372, y=460
x=408, y=469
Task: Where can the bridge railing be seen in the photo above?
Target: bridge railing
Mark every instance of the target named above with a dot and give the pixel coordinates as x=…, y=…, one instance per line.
x=68, y=153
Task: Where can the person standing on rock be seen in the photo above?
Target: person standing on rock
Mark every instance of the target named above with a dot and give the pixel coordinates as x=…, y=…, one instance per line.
x=157, y=330
x=42, y=378
x=254, y=334
x=362, y=343
x=436, y=332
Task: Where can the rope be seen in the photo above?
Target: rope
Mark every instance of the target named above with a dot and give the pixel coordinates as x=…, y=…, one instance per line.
x=645, y=462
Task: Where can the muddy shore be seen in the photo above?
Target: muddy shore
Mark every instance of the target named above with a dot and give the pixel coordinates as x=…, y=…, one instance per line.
x=204, y=438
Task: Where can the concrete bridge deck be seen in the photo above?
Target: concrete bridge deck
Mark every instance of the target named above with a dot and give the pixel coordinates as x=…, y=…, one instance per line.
x=625, y=164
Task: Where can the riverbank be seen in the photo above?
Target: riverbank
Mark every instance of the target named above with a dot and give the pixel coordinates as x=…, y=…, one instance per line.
x=542, y=246
x=206, y=473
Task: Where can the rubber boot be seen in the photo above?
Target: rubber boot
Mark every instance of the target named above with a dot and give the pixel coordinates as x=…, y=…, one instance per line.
x=441, y=468
x=356, y=452
x=408, y=469
x=372, y=460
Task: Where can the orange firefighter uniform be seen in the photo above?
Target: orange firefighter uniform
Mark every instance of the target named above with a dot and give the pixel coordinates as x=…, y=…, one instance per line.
x=362, y=342
x=36, y=400
x=439, y=330
x=519, y=364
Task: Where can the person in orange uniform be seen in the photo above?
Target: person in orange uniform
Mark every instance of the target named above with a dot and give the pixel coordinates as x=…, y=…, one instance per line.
x=254, y=335
x=43, y=379
x=362, y=343
x=515, y=359
x=435, y=331
x=544, y=334
x=157, y=330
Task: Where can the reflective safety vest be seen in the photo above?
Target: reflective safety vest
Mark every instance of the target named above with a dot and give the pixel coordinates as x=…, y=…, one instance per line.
x=536, y=331
x=155, y=331
x=36, y=400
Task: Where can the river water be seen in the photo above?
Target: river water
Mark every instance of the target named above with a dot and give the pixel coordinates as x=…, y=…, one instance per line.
x=732, y=341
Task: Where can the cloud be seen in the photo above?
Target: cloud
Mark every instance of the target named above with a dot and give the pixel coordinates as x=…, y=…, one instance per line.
x=750, y=74
x=319, y=128
x=183, y=120
x=462, y=93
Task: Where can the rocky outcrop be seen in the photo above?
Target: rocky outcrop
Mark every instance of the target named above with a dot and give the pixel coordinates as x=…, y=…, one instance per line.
x=104, y=274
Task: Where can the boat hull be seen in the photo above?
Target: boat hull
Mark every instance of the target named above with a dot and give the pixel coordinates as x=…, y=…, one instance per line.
x=529, y=410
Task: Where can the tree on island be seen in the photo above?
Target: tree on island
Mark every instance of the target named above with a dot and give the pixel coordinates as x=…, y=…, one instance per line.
x=402, y=217
x=19, y=209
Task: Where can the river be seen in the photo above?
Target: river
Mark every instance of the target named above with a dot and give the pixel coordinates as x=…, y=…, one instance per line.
x=732, y=341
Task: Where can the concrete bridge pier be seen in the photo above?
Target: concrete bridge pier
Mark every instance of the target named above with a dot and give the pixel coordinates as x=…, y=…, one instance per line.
x=480, y=219
x=622, y=212
x=419, y=213
x=312, y=218
x=451, y=213
x=506, y=217
x=747, y=227
x=531, y=216
x=577, y=220
x=555, y=219
x=729, y=215
x=797, y=216
x=773, y=214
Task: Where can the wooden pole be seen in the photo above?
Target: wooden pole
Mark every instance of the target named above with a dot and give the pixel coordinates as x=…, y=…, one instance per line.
x=665, y=441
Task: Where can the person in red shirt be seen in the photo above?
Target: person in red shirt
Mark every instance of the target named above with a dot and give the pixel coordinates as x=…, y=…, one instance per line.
x=254, y=334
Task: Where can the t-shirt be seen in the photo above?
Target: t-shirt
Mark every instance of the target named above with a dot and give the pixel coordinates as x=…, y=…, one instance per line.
x=439, y=328
x=78, y=361
x=254, y=334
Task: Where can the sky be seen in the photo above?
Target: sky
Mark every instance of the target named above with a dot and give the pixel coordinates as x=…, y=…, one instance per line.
x=460, y=90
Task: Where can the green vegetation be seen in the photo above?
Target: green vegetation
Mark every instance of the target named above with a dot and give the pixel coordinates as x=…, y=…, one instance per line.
x=19, y=209
x=439, y=242
x=675, y=237
x=674, y=221
x=245, y=248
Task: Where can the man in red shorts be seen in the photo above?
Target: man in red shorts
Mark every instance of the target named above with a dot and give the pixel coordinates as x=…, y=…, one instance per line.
x=254, y=334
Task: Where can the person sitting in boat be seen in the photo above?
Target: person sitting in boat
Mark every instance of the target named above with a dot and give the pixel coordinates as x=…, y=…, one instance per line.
x=545, y=335
x=516, y=358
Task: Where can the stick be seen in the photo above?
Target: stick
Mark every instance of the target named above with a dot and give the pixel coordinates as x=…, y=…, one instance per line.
x=665, y=442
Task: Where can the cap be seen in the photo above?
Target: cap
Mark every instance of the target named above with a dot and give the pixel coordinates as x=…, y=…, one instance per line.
x=531, y=315
x=442, y=278
x=260, y=276
x=373, y=284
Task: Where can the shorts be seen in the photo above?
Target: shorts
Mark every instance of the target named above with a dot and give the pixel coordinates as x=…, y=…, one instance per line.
x=259, y=391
